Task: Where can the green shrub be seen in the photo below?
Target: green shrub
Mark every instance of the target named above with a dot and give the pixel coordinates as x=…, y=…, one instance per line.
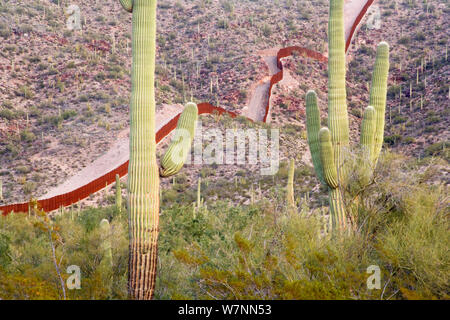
x=27, y=136
x=7, y=114
x=439, y=149
x=29, y=272
x=393, y=139
x=5, y=253
x=67, y=114
x=259, y=251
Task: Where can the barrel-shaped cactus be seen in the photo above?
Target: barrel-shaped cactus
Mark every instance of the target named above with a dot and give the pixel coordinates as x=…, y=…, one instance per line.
x=329, y=147
x=175, y=156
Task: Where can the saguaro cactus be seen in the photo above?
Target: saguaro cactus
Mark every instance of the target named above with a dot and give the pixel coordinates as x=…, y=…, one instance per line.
x=118, y=195
x=329, y=146
x=143, y=172
x=106, y=265
x=199, y=194
x=290, y=186
x=105, y=229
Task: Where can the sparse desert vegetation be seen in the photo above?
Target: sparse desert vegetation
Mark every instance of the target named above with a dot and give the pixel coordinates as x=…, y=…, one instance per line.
x=225, y=231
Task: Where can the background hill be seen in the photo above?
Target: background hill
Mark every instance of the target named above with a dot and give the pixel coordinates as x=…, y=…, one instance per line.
x=64, y=94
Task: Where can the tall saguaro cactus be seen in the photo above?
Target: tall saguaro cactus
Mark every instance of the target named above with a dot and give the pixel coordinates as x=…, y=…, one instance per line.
x=143, y=172
x=330, y=146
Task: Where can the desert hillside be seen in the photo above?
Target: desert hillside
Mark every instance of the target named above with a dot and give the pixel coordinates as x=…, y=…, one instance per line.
x=312, y=204
x=64, y=94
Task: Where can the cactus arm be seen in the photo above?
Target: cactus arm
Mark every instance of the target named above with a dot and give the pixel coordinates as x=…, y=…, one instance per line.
x=290, y=186
x=378, y=94
x=312, y=128
x=337, y=104
x=337, y=206
x=127, y=5
x=327, y=158
x=368, y=132
x=143, y=171
x=367, y=141
x=175, y=156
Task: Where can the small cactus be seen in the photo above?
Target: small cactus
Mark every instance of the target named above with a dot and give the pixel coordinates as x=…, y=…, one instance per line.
x=199, y=194
x=290, y=186
x=106, y=265
x=105, y=229
x=118, y=195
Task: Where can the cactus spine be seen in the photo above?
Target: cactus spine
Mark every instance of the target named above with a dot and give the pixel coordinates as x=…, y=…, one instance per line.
x=118, y=195
x=176, y=154
x=290, y=186
x=329, y=146
x=143, y=173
